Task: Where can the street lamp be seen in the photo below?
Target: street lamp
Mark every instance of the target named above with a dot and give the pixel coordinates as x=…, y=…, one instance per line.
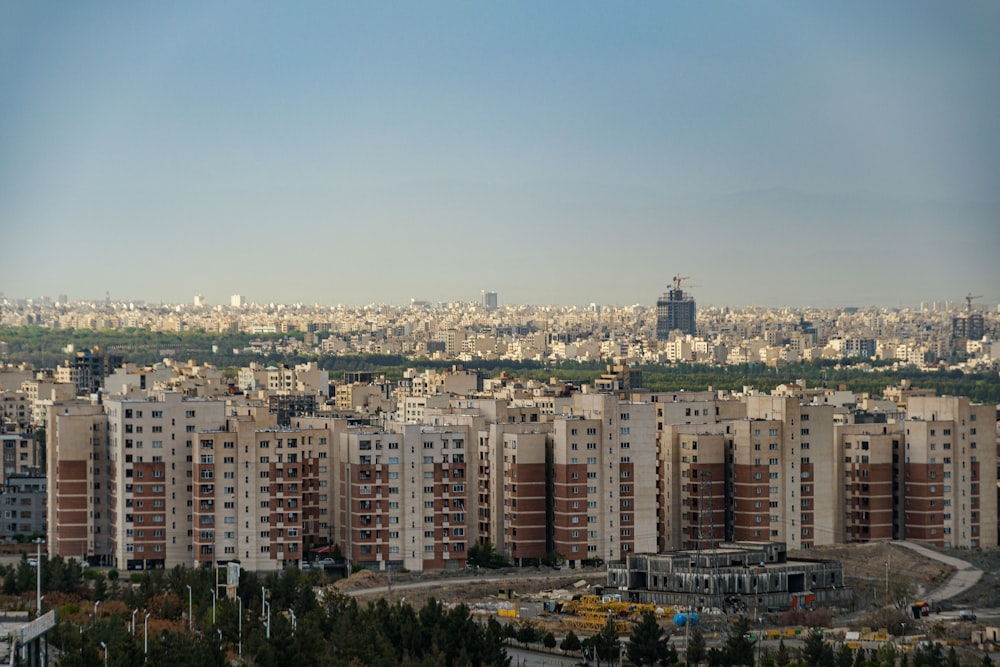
x=190, y=617
x=266, y=608
x=145, y=634
x=240, y=628
x=38, y=571
x=134, y=612
x=887, y=583
x=96, y=605
x=215, y=596
x=105, y=648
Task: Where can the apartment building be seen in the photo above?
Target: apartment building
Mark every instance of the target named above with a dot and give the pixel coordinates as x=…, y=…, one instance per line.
x=523, y=492
x=23, y=505
x=509, y=498
x=604, y=479
x=950, y=472
x=22, y=454
x=157, y=478
x=777, y=493
x=79, y=474
x=15, y=411
x=262, y=491
x=680, y=501
x=151, y=502
x=42, y=393
x=403, y=496
x=302, y=378
x=692, y=464
x=88, y=368
x=870, y=453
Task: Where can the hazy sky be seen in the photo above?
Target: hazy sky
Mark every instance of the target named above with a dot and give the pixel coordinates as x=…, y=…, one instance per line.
x=779, y=153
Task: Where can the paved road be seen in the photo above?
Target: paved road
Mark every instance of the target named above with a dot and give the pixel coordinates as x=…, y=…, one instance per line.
x=966, y=574
x=522, y=658
x=559, y=578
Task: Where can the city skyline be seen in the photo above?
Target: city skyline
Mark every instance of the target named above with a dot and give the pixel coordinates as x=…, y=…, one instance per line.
x=475, y=299
x=780, y=154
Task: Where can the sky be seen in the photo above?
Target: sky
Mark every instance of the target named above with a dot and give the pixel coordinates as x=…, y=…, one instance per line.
x=778, y=153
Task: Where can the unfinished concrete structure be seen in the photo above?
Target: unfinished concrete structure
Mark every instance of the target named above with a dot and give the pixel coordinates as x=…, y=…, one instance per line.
x=735, y=577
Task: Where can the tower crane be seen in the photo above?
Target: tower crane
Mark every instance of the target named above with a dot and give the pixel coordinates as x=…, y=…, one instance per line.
x=968, y=299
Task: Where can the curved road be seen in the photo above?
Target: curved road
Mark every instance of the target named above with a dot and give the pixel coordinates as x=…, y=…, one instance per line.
x=966, y=574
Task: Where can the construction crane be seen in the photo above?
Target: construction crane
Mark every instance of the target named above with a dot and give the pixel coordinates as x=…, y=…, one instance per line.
x=968, y=299
x=677, y=280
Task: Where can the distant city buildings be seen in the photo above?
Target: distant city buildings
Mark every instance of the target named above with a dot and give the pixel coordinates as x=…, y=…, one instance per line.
x=180, y=463
x=490, y=301
x=945, y=337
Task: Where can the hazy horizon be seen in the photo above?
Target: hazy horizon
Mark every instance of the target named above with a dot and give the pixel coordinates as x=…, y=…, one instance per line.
x=977, y=303
x=779, y=154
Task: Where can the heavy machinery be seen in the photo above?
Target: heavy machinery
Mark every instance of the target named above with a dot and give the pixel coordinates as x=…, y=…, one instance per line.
x=590, y=613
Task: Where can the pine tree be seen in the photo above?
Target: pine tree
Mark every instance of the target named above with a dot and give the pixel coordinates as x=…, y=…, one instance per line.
x=571, y=642
x=782, y=657
x=739, y=646
x=695, y=652
x=646, y=645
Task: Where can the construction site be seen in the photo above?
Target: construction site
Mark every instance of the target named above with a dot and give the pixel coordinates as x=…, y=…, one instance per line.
x=898, y=606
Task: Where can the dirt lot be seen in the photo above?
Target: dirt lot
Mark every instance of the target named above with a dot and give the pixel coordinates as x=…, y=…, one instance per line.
x=469, y=588
x=910, y=575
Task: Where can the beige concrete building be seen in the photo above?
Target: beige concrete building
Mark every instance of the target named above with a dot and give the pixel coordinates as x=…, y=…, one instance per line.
x=693, y=486
x=79, y=474
x=950, y=472
x=868, y=455
x=782, y=490
x=262, y=492
x=604, y=479
x=151, y=451
x=404, y=496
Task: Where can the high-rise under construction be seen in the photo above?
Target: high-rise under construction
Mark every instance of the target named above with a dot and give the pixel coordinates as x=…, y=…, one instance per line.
x=675, y=310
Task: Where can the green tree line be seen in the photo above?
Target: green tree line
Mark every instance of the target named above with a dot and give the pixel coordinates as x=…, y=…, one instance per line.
x=145, y=621
x=43, y=348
